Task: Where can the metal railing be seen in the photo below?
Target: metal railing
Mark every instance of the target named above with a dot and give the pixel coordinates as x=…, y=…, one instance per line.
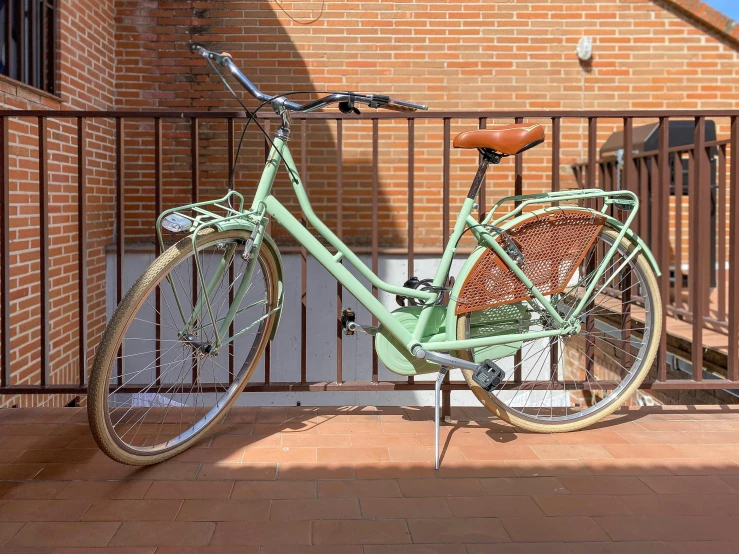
x=590, y=174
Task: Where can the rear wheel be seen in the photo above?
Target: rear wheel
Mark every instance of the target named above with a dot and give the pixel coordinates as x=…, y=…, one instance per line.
x=574, y=381
x=155, y=390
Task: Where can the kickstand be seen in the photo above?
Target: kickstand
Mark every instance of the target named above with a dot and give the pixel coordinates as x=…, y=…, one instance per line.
x=437, y=411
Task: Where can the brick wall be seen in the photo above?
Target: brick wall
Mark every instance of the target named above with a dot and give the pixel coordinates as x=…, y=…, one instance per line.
x=85, y=78
x=460, y=55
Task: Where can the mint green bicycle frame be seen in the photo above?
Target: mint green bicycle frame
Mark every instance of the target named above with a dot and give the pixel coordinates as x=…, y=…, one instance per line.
x=264, y=204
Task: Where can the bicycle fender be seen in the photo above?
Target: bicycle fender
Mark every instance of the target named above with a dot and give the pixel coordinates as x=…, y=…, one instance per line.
x=274, y=252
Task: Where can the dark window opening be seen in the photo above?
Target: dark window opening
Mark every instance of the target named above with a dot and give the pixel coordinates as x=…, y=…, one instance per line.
x=27, y=38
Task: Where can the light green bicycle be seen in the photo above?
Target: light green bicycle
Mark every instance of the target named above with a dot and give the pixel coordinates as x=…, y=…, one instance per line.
x=554, y=319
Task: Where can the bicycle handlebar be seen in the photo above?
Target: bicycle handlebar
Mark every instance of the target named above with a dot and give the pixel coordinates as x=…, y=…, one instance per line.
x=346, y=100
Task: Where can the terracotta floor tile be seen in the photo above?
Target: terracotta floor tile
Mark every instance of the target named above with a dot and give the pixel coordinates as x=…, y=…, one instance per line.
x=44, y=510
x=701, y=547
x=461, y=437
x=424, y=453
x=660, y=437
x=323, y=549
x=57, y=534
x=170, y=533
x=20, y=471
x=240, y=442
x=236, y=472
x=210, y=455
x=669, y=528
x=385, y=531
x=282, y=454
x=547, y=468
x=523, y=485
x=714, y=452
x=133, y=510
x=29, y=442
x=732, y=480
x=657, y=451
x=224, y=510
x=553, y=529
x=26, y=430
x=8, y=530
x=14, y=490
x=570, y=452
x=417, y=549
x=591, y=436
x=627, y=466
x=522, y=439
x=302, y=472
x=103, y=489
x=358, y=488
x=582, y=505
x=425, y=427
x=352, y=455
x=498, y=452
x=202, y=550
x=262, y=533
x=404, y=508
x=420, y=488
x=520, y=548
x=314, y=509
x=492, y=506
x=605, y=485
x=385, y=439
x=472, y=530
x=301, y=427
x=638, y=547
x=493, y=468
x=190, y=490
x=64, y=455
x=395, y=470
x=706, y=484
x=8, y=455
x=316, y=440
x=331, y=428
x=683, y=504
x=274, y=489
x=702, y=466
x=111, y=550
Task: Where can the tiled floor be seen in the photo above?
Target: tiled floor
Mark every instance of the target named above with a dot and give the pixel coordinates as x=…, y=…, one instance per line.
x=360, y=480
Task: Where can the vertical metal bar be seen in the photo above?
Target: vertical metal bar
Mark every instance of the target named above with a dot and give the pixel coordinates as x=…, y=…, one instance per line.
x=8, y=34
x=43, y=57
x=195, y=197
x=733, y=349
x=629, y=170
x=592, y=158
x=556, y=146
x=157, y=246
x=121, y=228
x=231, y=345
x=32, y=54
x=643, y=197
x=20, y=50
x=5, y=263
x=339, y=233
x=720, y=207
x=268, y=348
x=679, y=230
x=82, y=246
x=482, y=198
x=518, y=190
x=43, y=211
x=699, y=250
x=411, y=193
x=446, y=193
x=375, y=230
x=662, y=224
x=304, y=261
x=411, y=207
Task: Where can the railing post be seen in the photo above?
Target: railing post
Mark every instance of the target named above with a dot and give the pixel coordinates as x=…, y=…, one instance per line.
x=699, y=249
x=157, y=247
x=82, y=246
x=120, y=227
x=339, y=233
x=375, y=230
x=304, y=261
x=733, y=350
x=5, y=262
x=662, y=222
x=43, y=210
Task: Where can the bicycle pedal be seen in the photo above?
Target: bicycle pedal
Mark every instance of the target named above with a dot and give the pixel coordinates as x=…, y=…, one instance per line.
x=488, y=375
x=347, y=316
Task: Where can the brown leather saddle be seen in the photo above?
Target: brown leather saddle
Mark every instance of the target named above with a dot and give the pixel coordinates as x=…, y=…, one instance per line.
x=507, y=140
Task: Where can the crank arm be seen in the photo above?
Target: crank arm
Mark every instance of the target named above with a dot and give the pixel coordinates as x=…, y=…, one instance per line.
x=444, y=360
x=368, y=329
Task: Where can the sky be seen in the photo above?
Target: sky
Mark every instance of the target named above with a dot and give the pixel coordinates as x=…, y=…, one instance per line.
x=729, y=7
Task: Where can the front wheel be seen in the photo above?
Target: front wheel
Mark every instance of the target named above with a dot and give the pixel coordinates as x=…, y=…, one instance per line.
x=158, y=384
x=571, y=382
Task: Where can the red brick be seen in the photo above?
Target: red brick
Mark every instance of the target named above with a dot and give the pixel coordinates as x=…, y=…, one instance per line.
x=170, y=533
x=472, y=530
x=388, y=531
x=262, y=533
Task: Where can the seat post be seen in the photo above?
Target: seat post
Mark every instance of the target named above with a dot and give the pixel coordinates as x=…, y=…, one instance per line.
x=488, y=157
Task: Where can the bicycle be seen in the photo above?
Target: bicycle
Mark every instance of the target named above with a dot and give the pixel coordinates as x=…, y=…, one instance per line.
x=561, y=298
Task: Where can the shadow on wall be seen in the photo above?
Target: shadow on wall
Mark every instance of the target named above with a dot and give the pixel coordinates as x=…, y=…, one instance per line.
x=264, y=51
